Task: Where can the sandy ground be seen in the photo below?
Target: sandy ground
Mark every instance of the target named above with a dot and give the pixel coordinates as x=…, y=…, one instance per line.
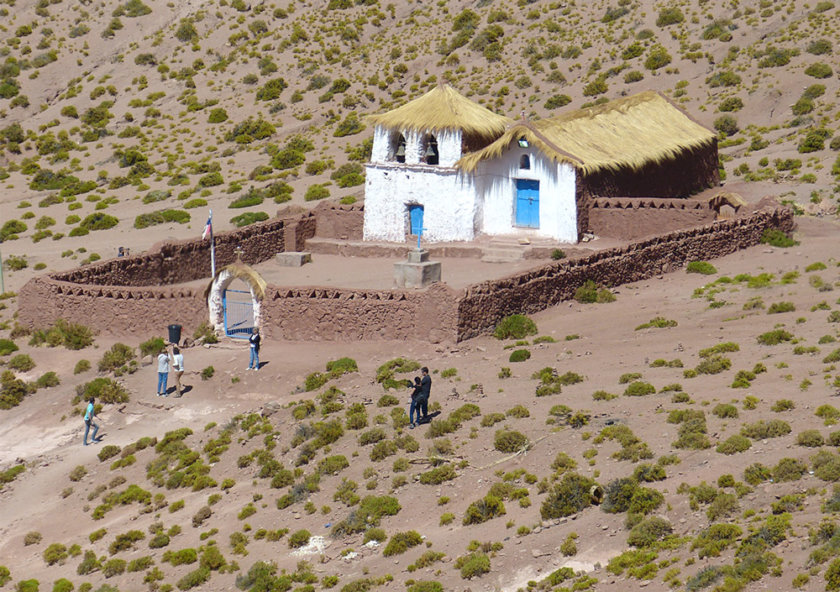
x=42, y=433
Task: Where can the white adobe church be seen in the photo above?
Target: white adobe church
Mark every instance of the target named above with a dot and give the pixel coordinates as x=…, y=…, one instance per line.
x=451, y=168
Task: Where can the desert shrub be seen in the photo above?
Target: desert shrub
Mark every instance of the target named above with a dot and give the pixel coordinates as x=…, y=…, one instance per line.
x=315, y=192
x=617, y=495
x=777, y=238
x=105, y=390
x=519, y=355
x=569, y=496
x=639, y=388
x=757, y=473
x=21, y=363
x=509, y=441
x=789, y=469
x=669, y=16
x=590, y=292
x=71, y=335
x=645, y=500
x=161, y=217
x=473, y=565
x=116, y=357
x=299, y=539
x=701, y=267
x=515, y=326
x=7, y=346
x=484, y=509
x=401, y=542
x=734, y=444
x=492, y=419
x=371, y=509
x=819, y=70
x=810, y=439
x=649, y=531
x=761, y=430
x=55, y=553
x=712, y=541
x=725, y=410
x=727, y=125
x=125, y=541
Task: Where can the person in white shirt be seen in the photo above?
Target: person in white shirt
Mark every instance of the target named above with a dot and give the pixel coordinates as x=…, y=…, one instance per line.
x=177, y=361
x=163, y=373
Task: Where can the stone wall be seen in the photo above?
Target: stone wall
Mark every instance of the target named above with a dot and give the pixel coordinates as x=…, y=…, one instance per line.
x=483, y=305
x=144, y=305
x=327, y=314
x=344, y=222
x=137, y=294
x=633, y=218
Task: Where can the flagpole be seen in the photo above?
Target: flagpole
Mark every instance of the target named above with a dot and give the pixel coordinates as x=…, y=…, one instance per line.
x=212, y=249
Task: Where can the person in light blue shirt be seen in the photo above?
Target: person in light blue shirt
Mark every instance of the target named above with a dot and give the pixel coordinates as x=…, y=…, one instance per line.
x=90, y=413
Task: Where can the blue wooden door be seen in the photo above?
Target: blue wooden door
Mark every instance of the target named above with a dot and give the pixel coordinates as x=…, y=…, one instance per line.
x=415, y=216
x=528, y=203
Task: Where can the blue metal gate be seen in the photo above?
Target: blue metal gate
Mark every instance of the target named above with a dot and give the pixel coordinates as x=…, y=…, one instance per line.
x=239, y=313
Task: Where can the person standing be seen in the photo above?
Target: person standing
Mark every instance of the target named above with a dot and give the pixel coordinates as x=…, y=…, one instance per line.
x=413, y=408
x=163, y=372
x=90, y=413
x=425, y=391
x=178, y=367
x=254, y=340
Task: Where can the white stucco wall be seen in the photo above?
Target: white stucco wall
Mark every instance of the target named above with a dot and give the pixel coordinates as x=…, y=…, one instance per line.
x=447, y=197
x=496, y=186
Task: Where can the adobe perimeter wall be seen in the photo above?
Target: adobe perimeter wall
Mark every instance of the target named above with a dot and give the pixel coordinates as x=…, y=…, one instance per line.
x=145, y=304
x=484, y=305
x=136, y=294
x=633, y=218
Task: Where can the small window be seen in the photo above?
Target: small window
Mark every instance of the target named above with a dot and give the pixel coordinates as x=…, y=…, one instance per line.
x=525, y=162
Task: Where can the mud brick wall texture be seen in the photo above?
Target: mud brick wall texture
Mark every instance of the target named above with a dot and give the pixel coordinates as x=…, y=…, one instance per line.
x=327, y=314
x=483, y=305
x=631, y=219
x=136, y=295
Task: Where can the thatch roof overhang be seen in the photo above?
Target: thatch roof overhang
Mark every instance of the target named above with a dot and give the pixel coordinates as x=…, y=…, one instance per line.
x=626, y=133
x=443, y=108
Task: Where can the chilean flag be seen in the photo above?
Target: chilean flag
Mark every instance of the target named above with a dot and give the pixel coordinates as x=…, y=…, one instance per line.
x=208, y=228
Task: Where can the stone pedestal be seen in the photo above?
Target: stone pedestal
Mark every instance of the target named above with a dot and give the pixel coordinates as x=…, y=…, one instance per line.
x=294, y=258
x=417, y=272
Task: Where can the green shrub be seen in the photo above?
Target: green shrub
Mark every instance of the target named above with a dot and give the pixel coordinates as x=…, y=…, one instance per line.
x=7, y=346
x=315, y=192
x=519, y=355
x=810, y=439
x=669, y=16
x=55, y=553
x=639, y=388
x=789, y=469
x=116, y=357
x=485, y=509
x=509, y=441
x=473, y=565
x=105, y=390
x=649, y=531
x=401, y=542
x=734, y=444
x=299, y=539
x=515, y=326
x=701, y=267
x=777, y=238
x=569, y=496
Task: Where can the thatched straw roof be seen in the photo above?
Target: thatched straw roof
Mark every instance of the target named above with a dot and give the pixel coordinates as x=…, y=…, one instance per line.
x=625, y=133
x=444, y=108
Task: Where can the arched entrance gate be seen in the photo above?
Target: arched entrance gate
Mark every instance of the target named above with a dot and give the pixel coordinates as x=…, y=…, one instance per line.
x=234, y=300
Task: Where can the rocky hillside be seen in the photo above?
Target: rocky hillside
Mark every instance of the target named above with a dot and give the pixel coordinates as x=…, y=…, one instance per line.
x=137, y=113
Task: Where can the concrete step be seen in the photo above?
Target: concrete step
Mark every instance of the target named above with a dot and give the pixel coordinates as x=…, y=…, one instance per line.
x=502, y=254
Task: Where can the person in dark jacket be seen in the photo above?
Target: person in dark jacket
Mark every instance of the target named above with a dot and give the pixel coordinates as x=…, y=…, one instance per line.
x=414, y=409
x=425, y=391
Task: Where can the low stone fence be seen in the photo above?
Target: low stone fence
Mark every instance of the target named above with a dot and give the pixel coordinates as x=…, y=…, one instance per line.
x=633, y=218
x=136, y=294
x=483, y=305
